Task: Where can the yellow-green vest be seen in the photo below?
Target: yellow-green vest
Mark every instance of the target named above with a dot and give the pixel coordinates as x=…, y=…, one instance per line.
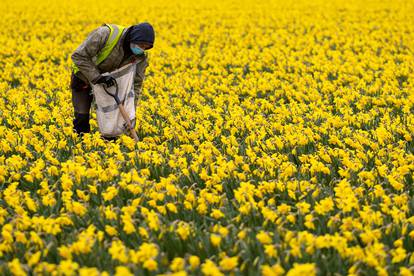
x=114, y=36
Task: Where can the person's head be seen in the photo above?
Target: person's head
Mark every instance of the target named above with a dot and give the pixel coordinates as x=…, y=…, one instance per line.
x=141, y=38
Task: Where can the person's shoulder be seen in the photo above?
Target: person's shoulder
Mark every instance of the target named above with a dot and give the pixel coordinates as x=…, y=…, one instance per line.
x=101, y=34
x=103, y=29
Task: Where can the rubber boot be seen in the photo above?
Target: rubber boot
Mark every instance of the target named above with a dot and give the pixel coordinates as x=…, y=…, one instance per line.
x=81, y=123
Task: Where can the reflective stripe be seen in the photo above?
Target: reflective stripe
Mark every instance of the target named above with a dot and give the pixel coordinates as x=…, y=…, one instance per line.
x=110, y=108
x=114, y=33
x=114, y=36
x=75, y=68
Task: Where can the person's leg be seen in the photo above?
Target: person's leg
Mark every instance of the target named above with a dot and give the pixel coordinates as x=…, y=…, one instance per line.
x=81, y=100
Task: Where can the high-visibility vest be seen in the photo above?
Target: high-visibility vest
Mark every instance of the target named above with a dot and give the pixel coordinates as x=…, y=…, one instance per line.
x=114, y=36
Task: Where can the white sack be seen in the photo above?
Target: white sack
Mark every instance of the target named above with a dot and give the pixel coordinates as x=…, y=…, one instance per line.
x=110, y=120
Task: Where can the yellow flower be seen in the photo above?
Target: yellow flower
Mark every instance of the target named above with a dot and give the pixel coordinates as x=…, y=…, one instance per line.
x=34, y=259
x=111, y=230
x=242, y=234
x=143, y=232
x=274, y=270
x=303, y=207
x=397, y=185
x=264, y=238
x=123, y=270
x=145, y=251
x=110, y=214
x=302, y=269
x=194, y=262
x=78, y=208
x=217, y=214
x=183, y=230
x=67, y=267
x=405, y=271
x=20, y=237
x=209, y=268
x=172, y=208
x=283, y=208
x=229, y=263
x=324, y=206
x=110, y=193
x=66, y=182
x=89, y=271
x=215, y=240
x=65, y=252
x=16, y=268
x=129, y=227
x=150, y=264
x=270, y=250
x=118, y=251
x=398, y=255
x=223, y=231
x=177, y=264
x=411, y=234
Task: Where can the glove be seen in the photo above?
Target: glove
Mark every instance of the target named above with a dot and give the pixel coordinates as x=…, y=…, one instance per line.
x=108, y=80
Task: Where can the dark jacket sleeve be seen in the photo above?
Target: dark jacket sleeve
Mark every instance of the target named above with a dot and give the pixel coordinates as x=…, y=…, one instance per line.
x=85, y=55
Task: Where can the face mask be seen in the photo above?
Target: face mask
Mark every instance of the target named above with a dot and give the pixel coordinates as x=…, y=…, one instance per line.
x=136, y=49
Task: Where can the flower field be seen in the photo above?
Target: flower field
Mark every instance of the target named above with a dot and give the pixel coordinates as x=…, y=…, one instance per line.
x=276, y=138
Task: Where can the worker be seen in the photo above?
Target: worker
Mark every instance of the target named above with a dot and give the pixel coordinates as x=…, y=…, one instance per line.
x=107, y=48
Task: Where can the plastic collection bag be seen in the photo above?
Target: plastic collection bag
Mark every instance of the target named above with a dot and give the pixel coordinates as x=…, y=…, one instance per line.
x=110, y=120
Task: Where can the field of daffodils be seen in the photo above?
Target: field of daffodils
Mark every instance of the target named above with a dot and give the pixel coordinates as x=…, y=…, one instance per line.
x=276, y=138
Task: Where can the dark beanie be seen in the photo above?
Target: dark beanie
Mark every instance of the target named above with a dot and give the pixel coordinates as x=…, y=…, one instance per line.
x=142, y=32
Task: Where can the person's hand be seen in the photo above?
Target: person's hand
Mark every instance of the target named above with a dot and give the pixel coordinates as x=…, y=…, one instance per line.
x=108, y=80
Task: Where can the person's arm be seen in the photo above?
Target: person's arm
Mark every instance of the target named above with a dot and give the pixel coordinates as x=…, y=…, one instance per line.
x=83, y=55
x=139, y=77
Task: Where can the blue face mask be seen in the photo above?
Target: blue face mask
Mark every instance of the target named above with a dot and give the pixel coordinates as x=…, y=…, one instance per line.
x=136, y=50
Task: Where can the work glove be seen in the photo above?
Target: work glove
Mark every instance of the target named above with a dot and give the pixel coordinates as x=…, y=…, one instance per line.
x=108, y=80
